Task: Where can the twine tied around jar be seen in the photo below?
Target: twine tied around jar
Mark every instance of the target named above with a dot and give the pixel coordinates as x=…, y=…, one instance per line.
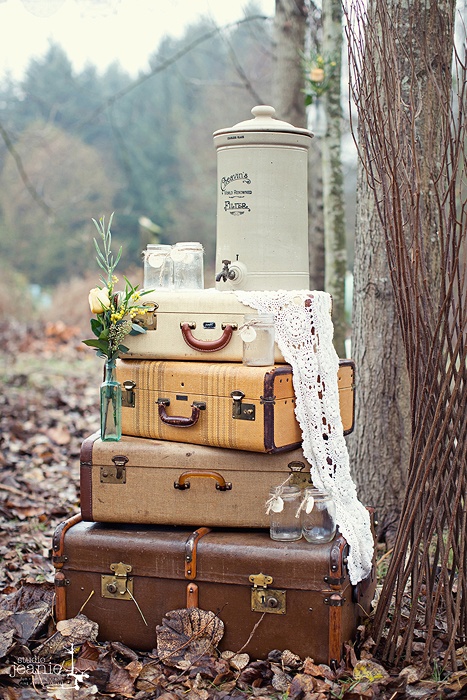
x=247, y=331
x=275, y=503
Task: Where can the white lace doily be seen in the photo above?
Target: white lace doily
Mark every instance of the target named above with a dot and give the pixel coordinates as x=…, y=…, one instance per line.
x=304, y=332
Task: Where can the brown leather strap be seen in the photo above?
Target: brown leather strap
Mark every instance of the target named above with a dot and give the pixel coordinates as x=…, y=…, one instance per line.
x=180, y=421
x=192, y=595
x=335, y=630
x=60, y=596
x=191, y=549
x=58, y=540
x=206, y=345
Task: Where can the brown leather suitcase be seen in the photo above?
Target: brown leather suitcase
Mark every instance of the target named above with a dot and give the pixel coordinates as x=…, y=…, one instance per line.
x=270, y=595
x=219, y=404
x=158, y=482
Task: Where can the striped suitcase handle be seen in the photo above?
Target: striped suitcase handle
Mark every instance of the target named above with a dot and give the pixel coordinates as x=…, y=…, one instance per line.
x=180, y=421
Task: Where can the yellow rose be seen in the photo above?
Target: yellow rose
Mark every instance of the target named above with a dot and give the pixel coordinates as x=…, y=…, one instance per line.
x=99, y=300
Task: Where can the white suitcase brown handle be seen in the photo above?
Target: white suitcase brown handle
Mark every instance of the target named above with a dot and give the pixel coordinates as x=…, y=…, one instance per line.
x=207, y=345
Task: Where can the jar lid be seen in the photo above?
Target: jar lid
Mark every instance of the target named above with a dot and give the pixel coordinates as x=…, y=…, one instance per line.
x=189, y=244
x=264, y=120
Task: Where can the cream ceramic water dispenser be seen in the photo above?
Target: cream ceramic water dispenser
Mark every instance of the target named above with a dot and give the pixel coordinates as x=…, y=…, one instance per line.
x=262, y=204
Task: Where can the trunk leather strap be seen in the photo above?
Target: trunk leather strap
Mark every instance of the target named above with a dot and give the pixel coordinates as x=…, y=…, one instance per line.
x=58, y=541
x=190, y=551
x=192, y=595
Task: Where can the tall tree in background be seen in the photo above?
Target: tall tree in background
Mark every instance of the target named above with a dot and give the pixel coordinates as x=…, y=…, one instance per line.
x=333, y=190
x=327, y=208
x=289, y=34
x=412, y=139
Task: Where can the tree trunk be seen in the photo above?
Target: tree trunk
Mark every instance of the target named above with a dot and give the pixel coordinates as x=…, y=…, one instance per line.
x=316, y=216
x=380, y=444
x=333, y=190
x=412, y=136
x=289, y=31
x=289, y=101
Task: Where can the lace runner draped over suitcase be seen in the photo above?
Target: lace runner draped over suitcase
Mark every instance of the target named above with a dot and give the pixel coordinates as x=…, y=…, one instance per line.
x=304, y=332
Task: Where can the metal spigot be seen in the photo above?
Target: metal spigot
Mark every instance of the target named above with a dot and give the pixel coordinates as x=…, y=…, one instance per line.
x=226, y=273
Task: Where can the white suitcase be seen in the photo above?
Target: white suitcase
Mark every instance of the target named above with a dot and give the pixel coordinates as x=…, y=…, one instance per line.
x=191, y=325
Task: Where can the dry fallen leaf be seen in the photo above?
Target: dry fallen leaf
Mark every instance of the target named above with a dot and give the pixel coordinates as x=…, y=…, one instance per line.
x=187, y=634
x=369, y=670
x=76, y=630
x=236, y=661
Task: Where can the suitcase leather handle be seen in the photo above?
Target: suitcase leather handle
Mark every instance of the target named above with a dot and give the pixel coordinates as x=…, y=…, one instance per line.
x=183, y=483
x=180, y=421
x=206, y=345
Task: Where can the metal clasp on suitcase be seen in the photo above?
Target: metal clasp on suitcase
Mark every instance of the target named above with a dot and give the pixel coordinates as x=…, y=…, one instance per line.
x=297, y=476
x=116, y=474
x=128, y=396
x=264, y=599
x=148, y=320
x=242, y=411
x=119, y=585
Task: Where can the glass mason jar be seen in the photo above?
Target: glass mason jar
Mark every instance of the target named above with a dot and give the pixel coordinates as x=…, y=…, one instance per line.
x=188, y=265
x=318, y=516
x=257, y=334
x=284, y=525
x=158, y=266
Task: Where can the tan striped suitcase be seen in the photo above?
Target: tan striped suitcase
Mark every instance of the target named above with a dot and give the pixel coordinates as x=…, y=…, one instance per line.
x=218, y=404
x=221, y=404
x=158, y=482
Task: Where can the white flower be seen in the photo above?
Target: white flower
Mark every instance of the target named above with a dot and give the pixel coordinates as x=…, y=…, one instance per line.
x=99, y=300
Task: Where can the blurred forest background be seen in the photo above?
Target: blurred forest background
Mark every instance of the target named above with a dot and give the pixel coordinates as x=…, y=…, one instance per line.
x=79, y=145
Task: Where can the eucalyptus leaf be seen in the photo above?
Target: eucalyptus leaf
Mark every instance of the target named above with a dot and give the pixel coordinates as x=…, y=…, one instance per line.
x=135, y=329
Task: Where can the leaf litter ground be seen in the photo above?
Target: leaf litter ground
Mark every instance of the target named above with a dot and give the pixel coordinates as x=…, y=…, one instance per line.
x=49, y=405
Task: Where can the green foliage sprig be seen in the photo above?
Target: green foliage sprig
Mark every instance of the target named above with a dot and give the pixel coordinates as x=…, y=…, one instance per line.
x=115, y=310
x=319, y=73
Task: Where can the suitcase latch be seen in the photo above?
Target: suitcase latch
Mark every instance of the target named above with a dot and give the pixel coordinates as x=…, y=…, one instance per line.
x=240, y=410
x=115, y=474
x=128, y=396
x=264, y=599
x=119, y=585
x=297, y=476
x=148, y=319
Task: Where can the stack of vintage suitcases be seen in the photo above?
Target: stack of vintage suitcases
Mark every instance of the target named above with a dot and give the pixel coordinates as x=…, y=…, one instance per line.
x=173, y=515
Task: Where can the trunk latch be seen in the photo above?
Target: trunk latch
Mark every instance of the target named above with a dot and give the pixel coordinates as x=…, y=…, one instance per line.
x=128, y=396
x=116, y=474
x=148, y=319
x=119, y=585
x=264, y=599
x=242, y=411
